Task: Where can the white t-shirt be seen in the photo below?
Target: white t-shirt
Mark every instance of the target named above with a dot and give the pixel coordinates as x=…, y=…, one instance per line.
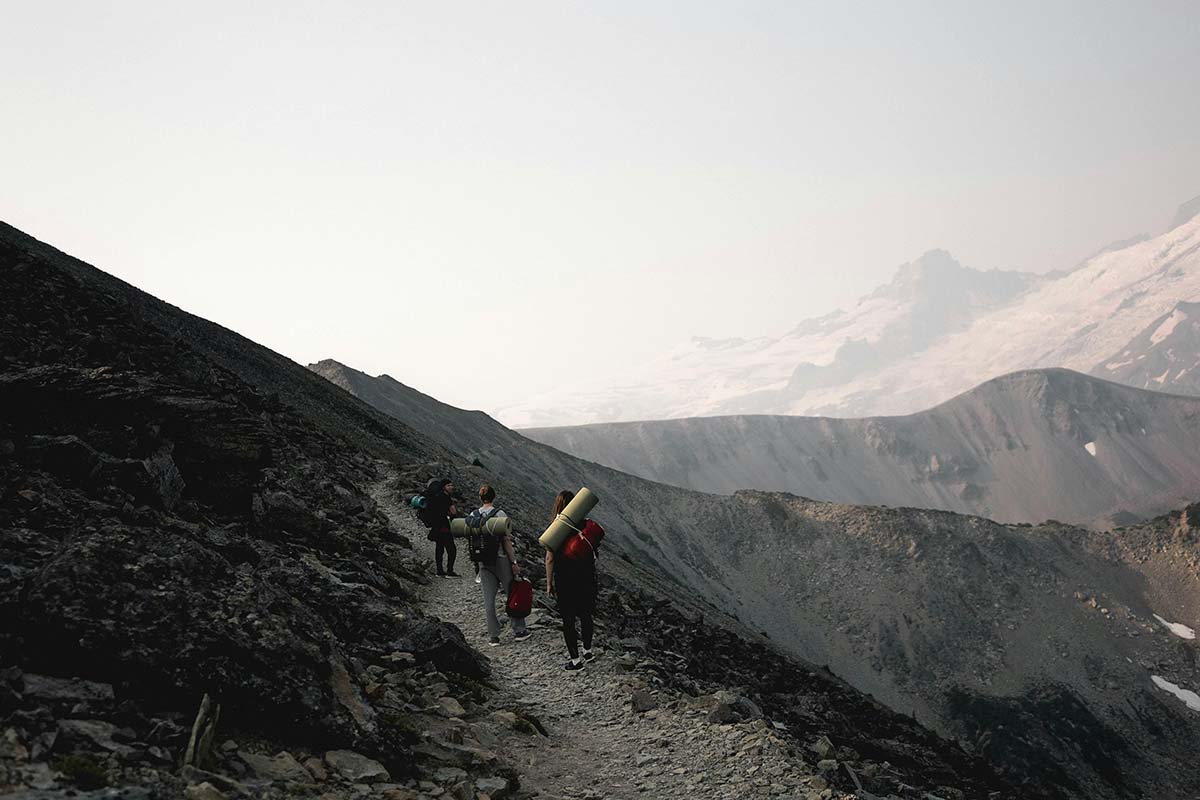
x=501, y=555
x=499, y=512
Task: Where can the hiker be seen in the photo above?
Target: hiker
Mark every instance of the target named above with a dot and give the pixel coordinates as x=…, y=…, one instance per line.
x=497, y=564
x=573, y=583
x=439, y=510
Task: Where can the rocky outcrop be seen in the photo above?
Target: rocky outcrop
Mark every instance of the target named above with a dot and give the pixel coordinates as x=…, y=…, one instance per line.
x=169, y=532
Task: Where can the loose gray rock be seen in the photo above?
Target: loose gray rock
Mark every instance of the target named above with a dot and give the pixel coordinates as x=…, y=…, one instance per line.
x=282, y=766
x=203, y=791
x=356, y=767
x=642, y=700
x=66, y=690
x=495, y=787
x=450, y=707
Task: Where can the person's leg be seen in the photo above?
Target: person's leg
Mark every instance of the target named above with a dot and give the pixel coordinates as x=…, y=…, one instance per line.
x=451, y=553
x=586, y=629
x=439, y=552
x=568, y=620
x=490, y=584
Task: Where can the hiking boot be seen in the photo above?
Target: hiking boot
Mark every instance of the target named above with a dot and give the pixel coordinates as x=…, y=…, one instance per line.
x=494, y=641
x=522, y=636
x=452, y=574
x=588, y=655
x=573, y=666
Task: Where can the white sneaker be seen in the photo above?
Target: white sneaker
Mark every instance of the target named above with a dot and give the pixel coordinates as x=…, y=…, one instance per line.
x=477, y=580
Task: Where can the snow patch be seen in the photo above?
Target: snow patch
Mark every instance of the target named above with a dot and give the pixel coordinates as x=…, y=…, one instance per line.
x=1090, y=447
x=1168, y=326
x=1187, y=696
x=1162, y=377
x=1118, y=364
x=1180, y=630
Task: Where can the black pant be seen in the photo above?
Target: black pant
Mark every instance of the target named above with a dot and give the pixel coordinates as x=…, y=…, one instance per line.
x=444, y=545
x=569, y=615
x=576, y=583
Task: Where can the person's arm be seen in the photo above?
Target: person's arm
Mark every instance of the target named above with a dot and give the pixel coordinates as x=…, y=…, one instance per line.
x=550, y=572
x=512, y=559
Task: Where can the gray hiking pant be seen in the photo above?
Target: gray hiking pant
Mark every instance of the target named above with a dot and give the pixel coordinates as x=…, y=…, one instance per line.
x=494, y=579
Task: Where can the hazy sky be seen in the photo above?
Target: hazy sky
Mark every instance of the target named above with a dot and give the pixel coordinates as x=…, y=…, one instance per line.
x=437, y=189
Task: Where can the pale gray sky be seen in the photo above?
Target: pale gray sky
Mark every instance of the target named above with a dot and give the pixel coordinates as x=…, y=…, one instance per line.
x=518, y=184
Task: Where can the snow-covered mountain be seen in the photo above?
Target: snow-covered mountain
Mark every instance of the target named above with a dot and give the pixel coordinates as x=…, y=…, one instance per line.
x=934, y=332
x=927, y=300
x=1165, y=356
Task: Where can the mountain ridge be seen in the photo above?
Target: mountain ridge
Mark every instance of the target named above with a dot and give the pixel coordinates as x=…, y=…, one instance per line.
x=1024, y=447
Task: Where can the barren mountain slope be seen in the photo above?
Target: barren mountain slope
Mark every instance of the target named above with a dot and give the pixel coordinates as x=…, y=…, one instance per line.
x=1022, y=640
x=1027, y=447
x=170, y=528
x=927, y=300
x=973, y=625
x=937, y=330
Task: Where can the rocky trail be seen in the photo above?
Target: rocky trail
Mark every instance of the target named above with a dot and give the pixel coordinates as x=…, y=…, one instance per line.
x=610, y=732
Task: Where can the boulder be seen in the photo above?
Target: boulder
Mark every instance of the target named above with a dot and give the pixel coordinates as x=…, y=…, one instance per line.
x=641, y=700
x=721, y=713
x=506, y=718
x=316, y=768
x=284, y=511
x=89, y=735
x=822, y=747
x=282, y=766
x=67, y=456
x=356, y=768
x=66, y=690
x=203, y=791
x=494, y=787
x=154, y=481
x=12, y=748
x=450, y=707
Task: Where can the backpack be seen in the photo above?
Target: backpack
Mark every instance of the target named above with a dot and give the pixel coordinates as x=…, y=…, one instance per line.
x=428, y=512
x=520, y=598
x=484, y=546
x=582, y=546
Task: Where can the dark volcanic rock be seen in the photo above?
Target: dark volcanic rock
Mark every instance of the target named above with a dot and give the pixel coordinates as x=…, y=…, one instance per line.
x=167, y=531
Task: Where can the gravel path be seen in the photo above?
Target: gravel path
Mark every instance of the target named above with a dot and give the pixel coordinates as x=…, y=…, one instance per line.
x=598, y=746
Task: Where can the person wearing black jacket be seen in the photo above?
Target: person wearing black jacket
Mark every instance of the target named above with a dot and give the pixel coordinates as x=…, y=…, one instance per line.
x=440, y=508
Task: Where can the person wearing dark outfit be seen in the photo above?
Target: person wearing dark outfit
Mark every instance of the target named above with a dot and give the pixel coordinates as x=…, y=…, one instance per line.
x=439, y=497
x=573, y=582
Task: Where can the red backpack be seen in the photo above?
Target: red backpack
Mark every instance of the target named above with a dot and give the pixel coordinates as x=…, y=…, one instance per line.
x=520, y=598
x=582, y=546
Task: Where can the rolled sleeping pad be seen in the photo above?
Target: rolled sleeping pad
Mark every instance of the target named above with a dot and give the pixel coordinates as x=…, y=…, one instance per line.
x=500, y=526
x=570, y=521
